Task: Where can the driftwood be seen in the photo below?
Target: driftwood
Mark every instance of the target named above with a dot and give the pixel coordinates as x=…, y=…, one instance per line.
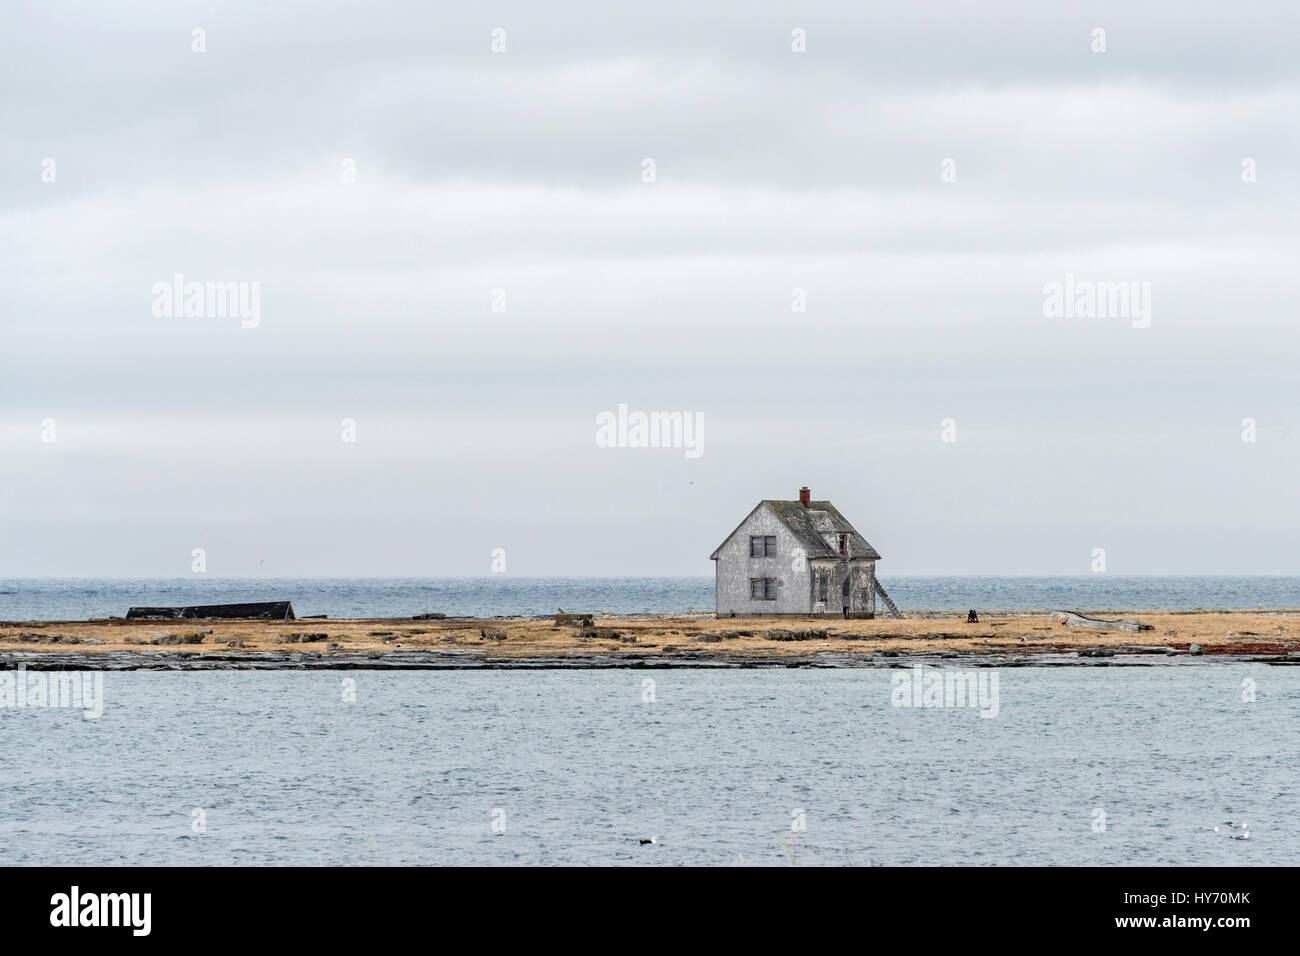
x=265, y=610
x=1070, y=619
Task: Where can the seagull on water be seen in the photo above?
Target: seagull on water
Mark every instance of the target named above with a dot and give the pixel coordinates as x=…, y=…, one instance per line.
x=653, y=839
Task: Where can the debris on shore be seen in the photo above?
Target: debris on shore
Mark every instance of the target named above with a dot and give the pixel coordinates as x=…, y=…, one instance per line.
x=1071, y=619
x=259, y=610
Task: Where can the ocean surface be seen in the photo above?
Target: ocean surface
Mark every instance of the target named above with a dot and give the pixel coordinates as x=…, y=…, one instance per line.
x=62, y=599
x=1080, y=766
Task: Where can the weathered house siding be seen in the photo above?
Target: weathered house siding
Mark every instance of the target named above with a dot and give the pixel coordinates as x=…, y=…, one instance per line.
x=735, y=568
x=861, y=577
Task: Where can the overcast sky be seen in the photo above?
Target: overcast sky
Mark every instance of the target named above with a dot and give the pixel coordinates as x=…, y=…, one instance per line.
x=127, y=439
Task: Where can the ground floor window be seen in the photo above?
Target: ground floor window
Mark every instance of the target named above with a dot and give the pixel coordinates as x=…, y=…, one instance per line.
x=823, y=586
x=762, y=589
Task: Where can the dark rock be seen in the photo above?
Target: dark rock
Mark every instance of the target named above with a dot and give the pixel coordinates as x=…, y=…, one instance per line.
x=178, y=639
x=811, y=634
x=565, y=619
x=1195, y=650
x=429, y=616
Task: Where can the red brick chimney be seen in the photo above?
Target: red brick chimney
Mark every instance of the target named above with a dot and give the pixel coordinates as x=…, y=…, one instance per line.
x=805, y=496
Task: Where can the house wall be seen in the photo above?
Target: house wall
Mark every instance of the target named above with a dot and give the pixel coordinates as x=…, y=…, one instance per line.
x=862, y=586
x=734, y=568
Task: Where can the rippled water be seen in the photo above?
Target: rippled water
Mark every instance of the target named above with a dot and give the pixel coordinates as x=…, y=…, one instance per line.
x=287, y=772
x=62, y=599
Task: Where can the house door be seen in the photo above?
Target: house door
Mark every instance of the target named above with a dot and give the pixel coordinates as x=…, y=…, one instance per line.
x=844, y=591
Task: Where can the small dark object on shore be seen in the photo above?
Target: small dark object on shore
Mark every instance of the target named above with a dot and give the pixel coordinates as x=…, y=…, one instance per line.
x=972, y=617
x=1195, y=650
x=492, y=635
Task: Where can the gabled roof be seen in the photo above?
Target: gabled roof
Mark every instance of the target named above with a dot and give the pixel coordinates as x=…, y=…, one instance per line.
x=809, y=524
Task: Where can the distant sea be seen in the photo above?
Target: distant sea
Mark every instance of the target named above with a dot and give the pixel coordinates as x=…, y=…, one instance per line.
x=55, y=599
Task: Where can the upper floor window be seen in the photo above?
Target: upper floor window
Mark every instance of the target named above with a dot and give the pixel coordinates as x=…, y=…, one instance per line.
x=762, y=546
x=844, y=543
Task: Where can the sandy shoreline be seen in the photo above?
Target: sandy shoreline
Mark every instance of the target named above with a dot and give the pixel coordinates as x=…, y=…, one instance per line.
x=1002, y=638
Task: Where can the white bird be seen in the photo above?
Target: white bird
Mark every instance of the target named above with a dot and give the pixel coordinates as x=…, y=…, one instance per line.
x=1238, y=826
x=1210, y=829
x=1242, y=836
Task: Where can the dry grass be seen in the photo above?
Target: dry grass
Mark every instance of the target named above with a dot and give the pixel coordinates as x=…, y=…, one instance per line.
x=1215, y=631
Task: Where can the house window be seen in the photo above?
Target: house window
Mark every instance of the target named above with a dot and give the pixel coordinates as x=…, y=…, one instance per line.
x=823, y=586
x=762, y=589
x=762, y=546
x=844, y=543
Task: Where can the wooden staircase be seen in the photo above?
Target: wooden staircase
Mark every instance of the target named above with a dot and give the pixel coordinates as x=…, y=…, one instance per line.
x=889, y=603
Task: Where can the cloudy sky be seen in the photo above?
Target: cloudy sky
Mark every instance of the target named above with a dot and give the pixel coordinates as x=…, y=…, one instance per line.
x=921, y=172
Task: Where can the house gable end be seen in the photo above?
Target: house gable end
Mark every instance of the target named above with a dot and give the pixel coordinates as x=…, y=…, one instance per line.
x=735, y=531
